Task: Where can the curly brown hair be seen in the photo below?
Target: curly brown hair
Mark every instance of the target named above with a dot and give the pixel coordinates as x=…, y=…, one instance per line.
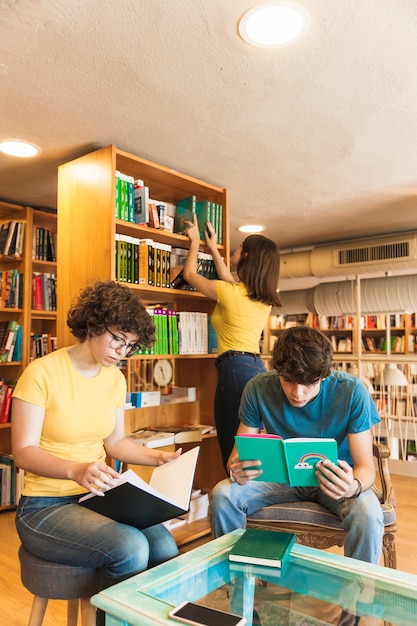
x=302, y=355
x=108, y=303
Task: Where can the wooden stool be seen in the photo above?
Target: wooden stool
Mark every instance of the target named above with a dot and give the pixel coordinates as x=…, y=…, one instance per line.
x=56, y=581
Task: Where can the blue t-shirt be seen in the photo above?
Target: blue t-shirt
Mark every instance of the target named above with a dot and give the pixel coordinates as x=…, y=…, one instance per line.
x=342, y=406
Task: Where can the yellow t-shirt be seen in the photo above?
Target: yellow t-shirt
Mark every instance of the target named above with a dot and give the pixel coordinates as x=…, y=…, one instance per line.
x=79, y=413
x=238, y=320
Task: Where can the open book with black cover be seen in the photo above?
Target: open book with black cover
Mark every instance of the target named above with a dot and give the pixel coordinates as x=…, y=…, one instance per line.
x=290, y=461
x=135, y=502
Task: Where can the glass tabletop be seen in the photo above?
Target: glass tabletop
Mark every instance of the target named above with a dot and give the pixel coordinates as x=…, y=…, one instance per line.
x=315, y=588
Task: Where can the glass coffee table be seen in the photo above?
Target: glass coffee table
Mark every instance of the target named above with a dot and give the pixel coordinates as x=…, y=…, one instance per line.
x=315, y=588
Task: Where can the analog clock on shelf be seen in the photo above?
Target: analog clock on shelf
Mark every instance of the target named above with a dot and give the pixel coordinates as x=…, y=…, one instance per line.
x=162, y=372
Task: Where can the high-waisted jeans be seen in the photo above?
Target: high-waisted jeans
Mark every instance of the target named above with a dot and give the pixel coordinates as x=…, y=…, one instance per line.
x=234, y=370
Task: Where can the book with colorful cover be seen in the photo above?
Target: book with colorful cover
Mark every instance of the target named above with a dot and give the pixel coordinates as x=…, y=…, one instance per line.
x=290, y=461
x=262, y=547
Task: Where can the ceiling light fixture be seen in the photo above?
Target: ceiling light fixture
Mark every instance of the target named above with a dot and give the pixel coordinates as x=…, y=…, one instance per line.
x=18, y=148
x=274, y=24
x=251, y=228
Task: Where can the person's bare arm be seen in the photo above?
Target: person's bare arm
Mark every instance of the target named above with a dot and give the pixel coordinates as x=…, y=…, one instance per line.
x=201, y=283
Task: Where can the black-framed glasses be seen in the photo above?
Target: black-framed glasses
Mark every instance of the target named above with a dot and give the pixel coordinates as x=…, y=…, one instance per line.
x=118, y=343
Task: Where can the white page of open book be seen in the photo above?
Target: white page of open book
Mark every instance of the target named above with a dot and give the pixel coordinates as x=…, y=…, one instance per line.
x=175, y=479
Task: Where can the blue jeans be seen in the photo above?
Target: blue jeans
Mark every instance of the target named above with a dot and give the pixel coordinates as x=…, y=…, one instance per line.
x=233, y=372
x=362, y=517
x=58, y=529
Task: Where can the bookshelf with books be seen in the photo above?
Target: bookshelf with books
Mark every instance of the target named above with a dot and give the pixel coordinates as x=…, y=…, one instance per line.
x=18, y=320
x=88, y=190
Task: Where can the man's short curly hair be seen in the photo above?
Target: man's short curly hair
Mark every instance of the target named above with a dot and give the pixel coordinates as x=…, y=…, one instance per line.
x=302, y=355
x=108, y=303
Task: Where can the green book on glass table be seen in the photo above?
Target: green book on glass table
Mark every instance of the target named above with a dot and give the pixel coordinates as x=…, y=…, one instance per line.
x=289, y=461
x=262, y=547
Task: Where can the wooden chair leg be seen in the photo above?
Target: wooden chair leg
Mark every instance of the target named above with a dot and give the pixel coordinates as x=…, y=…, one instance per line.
x=389, y=550
x=72, y=612
x=88, y=612
x=38, y=611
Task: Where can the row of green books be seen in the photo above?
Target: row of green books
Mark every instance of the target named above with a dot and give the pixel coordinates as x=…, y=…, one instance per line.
x=183, y=332
x=148, y=262
x=205, y=210
x=142, y=261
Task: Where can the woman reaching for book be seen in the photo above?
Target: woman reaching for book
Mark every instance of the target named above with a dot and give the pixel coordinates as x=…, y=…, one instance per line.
x=67, y=416
x=239, y=317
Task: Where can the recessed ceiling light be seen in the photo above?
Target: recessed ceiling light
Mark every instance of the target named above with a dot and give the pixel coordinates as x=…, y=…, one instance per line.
x=275, y=24
x=17, y=148
x=251, y=228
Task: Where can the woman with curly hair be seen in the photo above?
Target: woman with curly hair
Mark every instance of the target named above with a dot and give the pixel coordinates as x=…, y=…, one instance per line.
x=67, y=416
x=239, y=317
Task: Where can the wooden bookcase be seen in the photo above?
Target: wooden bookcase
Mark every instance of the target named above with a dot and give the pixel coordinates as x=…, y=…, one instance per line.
x=31, y=320
x=87, y=228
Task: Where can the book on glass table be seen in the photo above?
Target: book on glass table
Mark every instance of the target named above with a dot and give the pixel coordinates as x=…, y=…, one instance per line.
x=135, y=502
x=262, y=547
x=290, y=461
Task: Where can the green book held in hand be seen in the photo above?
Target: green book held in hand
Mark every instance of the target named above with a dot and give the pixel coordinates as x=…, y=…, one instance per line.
x=262, y=547
x=290, y=461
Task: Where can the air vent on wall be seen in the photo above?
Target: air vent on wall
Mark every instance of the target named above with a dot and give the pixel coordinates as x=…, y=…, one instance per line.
x=367, y=254
x=362, y=256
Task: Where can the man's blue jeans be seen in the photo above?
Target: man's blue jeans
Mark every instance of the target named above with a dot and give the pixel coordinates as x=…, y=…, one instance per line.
x=60, y=530
x=361, y=517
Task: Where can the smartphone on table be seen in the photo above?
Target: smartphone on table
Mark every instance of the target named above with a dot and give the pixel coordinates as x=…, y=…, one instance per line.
x=198, y=615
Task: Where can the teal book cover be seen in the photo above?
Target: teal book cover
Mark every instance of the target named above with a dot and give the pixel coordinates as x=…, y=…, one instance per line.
x=184, y=211
x=290, y=461
x=262, y=547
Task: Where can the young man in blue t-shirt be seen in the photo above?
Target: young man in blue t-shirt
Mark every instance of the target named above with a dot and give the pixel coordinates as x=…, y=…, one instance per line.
x=303, y=397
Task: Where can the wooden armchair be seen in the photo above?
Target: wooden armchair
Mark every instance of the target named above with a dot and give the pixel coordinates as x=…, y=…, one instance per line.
x=317, y=527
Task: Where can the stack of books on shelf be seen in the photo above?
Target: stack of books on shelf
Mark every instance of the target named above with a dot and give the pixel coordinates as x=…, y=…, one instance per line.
x=134, y=205
x=11, y=480
x=12, y=238
x=166, y=331
x=6, y=392
x=148, y=262
x=185, y=332
x=192, y=332
x=43, y=244
x=205, y=210
x=11, y=289
x=10, y=341
x=43, y=291
x=199, y=505
x=41, y=344
x=179, y=394
x=156, y=437
x=142, y=261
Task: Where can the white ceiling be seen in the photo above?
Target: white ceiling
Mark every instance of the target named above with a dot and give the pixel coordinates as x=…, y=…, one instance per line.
x=316, y=141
